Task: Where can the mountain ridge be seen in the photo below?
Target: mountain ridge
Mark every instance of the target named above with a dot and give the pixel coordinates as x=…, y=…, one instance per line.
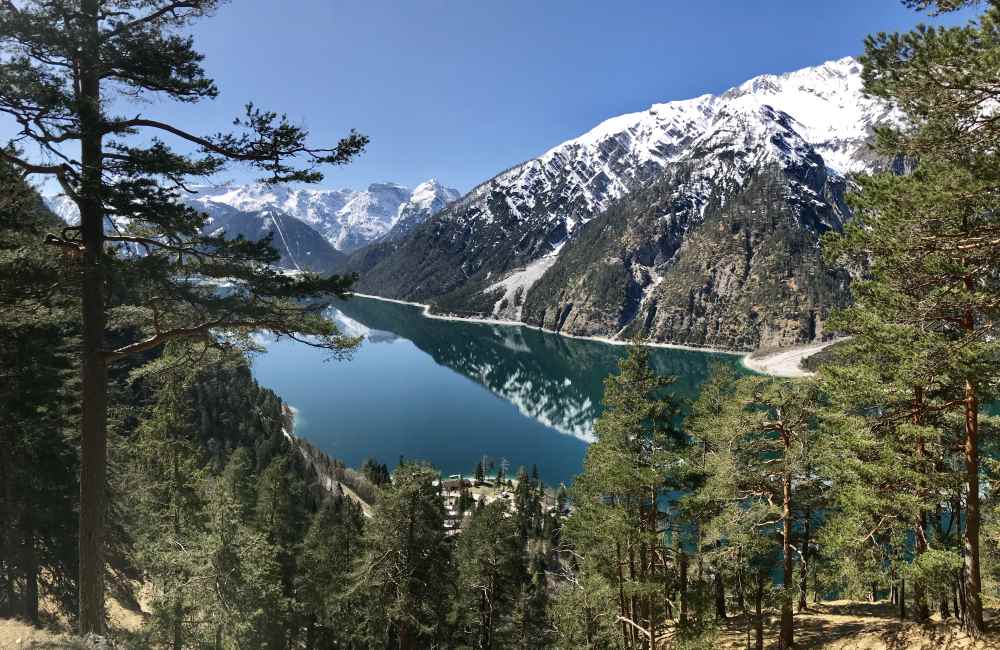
x=348, y=219
x=815, y=122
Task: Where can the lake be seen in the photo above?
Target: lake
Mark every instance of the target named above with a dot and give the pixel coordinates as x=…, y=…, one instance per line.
x=450, y=391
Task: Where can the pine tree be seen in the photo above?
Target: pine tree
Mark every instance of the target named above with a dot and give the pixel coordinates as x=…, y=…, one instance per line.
x=405, y=576
x=889, y=412
x=329, y=549
x=166, y=473
x=491, y=573
x=38, y=487
x=759, y=450
x=63, y=59
x=240, y=574
x=281, y=517
x=532, y=625
x=933, y=237
x=617, y=524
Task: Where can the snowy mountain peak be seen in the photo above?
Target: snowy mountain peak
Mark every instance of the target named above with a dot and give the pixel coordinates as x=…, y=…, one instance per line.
x=818, y=111
x=431, y=193
x=348, y=219
x=63, y=207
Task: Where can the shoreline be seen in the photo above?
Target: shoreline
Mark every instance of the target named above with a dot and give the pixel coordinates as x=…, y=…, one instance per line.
x=784, y=362
x=426, y=313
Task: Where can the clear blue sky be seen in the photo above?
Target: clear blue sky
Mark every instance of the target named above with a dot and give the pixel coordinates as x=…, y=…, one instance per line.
x=460, y=90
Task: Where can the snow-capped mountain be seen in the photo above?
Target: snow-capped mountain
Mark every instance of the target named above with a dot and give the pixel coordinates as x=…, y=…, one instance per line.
x=824, y=106
x=301, y=248
x=63, y=207
x=347, y=218
x=490, y=251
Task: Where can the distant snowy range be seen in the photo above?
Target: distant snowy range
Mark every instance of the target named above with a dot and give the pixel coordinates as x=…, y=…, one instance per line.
x=312, y=228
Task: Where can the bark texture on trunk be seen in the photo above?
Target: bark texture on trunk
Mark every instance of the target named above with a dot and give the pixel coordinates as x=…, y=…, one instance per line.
x=973, y=580
x=787, y=636
x=93, y=414
x=720, y=595
x=804, y=569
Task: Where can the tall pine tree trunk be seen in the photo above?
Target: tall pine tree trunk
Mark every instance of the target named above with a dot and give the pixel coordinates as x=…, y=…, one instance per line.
x=920, y=610
x=622, y=611
x=901, y=598
x=29, y=565
x=787, y=638
x=804, y=567
x=93, y=415
x=758, y=604
x=720, y=595
x=973, y=580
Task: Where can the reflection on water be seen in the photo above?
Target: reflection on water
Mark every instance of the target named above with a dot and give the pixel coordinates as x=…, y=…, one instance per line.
x=553, y=379
x=403, y=392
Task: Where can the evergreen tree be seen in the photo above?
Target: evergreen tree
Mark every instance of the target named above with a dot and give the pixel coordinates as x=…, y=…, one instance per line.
x=890, y=416
x=166, y=472
x=281, y=517
x=933, y=238
x=759, y=454
x=405, y=576
x=331, y=546
x=491, y=574
x=617, y=526
x=64, y=58
x=377, y=473
x=241, y=575
x=38, y=461
x=532, y=623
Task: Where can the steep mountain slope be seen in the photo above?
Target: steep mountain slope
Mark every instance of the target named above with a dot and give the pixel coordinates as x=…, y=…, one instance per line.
x=765, y=160
x=692, y=261
x=347, y=218
x=63, y=207
x=301, y=248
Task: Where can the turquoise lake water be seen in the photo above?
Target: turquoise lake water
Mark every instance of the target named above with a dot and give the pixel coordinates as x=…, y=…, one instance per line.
x=449, y=392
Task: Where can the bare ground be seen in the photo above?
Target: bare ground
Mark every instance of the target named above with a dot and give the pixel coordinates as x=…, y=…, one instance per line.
x=837, y=625
x=849, y=625
x=786, y=362
x=57, y=635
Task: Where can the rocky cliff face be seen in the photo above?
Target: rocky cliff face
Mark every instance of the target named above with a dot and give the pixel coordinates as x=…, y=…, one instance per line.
x=735, y=269
x=694, y=222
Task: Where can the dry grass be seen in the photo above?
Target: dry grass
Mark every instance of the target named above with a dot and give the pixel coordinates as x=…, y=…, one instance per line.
x=849, y=625
x=15, y=635
x=839, y=625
